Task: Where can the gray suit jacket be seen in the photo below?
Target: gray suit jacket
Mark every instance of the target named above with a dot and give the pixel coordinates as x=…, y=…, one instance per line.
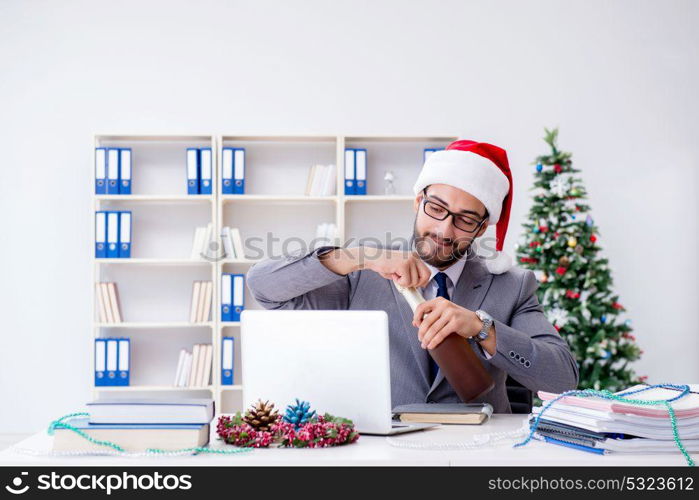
x=528, y=346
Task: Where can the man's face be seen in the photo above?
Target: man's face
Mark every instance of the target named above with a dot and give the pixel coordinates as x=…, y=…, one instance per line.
x=439, y=242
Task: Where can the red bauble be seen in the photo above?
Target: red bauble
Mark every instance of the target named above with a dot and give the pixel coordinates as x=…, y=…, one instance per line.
x=534, y=244
x=616, y=305
x=561, y=270
x=557, y=168
x=593, y=238
x=543, y=229
x=556, y=234
x=557, y=327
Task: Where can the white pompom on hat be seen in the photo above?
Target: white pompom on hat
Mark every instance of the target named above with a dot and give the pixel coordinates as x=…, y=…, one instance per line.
x=482, y=170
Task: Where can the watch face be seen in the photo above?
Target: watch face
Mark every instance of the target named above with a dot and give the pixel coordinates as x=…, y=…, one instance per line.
x=482, y=335
x=483, y=315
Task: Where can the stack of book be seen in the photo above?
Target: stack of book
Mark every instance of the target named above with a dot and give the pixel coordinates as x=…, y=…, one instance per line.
x=201, y=246
x=600, y=425
x=321, y=181
x=108, y=307
x=232, y=243
x=139, y=424
x=326, y=233
x=194, y=368
x=200, y=309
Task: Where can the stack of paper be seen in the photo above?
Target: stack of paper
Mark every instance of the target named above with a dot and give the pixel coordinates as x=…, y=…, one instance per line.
x=596, y=424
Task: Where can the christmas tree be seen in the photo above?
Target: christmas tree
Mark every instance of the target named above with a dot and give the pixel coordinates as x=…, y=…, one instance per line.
x=560, y=244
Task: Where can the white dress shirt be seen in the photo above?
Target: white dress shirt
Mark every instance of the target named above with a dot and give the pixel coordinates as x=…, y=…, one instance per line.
x=453, y=272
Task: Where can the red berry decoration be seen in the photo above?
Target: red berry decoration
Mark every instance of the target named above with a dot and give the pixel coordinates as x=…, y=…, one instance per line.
x=316, y=432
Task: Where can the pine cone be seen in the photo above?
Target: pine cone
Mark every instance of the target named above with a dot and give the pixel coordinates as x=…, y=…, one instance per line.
x=261, y=416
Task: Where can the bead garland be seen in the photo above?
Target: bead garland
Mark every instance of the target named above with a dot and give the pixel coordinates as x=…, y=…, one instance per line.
x=117, y=450
x=479, y=441
x=620, y=397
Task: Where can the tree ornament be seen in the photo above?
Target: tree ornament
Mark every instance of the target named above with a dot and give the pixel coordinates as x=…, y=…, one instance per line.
x=543, y=229
x=261, y=416
x=539, y=167
x=557, y=168
x=564, y=261
x=299, y=414
x=589, y=221
x=593, y=238
x=544, y=278
x=558, y=187
x=603, y=318
x=572, y=242
x=536, y=230
x=561, y=270
x=579, y=249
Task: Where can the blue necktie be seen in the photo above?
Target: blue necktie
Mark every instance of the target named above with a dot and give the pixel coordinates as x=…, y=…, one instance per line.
x=441, y=279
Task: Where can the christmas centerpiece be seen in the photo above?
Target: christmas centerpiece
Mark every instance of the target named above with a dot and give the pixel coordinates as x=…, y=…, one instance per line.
x=299, y=427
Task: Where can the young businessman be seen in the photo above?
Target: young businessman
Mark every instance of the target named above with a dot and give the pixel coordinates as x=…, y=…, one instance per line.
x=492, y=305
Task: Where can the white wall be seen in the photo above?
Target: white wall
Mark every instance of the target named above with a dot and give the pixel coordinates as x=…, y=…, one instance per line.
x=619, y=77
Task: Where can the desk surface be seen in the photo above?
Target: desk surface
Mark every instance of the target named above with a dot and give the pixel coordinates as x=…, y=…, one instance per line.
x=374, y=450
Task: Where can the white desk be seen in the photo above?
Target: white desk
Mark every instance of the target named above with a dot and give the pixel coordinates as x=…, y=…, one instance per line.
x=374, y=450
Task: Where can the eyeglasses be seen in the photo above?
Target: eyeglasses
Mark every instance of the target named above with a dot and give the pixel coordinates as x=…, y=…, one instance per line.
x=461, y=222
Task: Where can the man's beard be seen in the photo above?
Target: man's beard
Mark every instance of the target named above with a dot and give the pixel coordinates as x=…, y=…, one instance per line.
x=428, y=252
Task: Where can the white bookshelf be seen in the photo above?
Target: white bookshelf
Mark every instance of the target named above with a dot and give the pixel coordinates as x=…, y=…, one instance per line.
x=155, y=284
x=274, y=202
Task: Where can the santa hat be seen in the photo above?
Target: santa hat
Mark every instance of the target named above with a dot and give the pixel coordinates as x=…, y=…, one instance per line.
x=483, y=171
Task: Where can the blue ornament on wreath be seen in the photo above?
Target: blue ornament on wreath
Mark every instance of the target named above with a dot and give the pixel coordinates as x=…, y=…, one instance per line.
x=539, y=167
x=299, y=414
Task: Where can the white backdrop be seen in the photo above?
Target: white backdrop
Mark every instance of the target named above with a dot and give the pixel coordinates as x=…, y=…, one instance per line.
x=619, y=77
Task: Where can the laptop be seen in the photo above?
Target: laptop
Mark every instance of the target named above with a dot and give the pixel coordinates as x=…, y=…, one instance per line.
x=336, y=360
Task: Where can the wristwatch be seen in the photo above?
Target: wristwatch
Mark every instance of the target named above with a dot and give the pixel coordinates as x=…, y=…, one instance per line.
x=487, y=320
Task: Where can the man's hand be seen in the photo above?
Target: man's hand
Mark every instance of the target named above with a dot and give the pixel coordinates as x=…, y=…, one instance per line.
x=441, y=318
x=405, y=268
